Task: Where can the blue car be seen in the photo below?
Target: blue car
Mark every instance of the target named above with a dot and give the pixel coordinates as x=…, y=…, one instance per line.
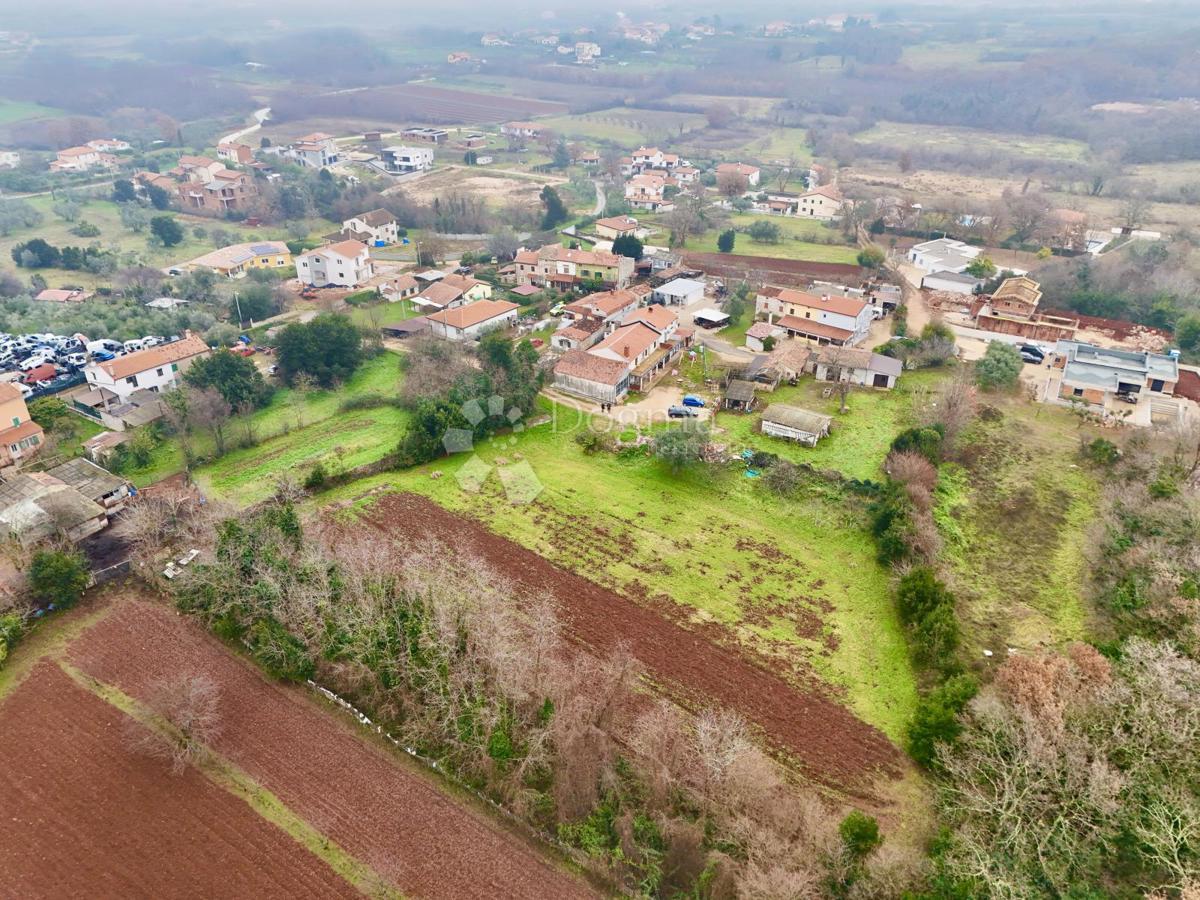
x=692, y=400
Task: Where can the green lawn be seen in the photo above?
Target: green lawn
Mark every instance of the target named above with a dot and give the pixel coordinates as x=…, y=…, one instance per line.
x=860, y=438
x=294, y=432
x=631, y=525
x=133, y=247
x=18, y=111
x=1014, y=521
x=797, y=241
x=627, y=127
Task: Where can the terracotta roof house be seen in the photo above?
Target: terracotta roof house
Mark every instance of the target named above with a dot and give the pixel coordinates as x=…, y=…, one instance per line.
x=470, y=322
x=344, y=264
x=156, y=369
x=597, y=378
x=439, y=296
x=749, y=172
x=823, y=319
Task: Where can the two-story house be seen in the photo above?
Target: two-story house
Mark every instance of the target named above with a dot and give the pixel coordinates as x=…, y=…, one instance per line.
x=344, y=264
x=375, y=228
x=824, y=202
x=236, y=153
x=401, y=160
x=20, y=436
x=155, y=369
x=610, y=307
x=314, y=151
x=648, y=191
x=560, y=267
x=824, y=319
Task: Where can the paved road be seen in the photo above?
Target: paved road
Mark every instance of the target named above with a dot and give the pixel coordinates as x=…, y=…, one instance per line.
x=260, y=116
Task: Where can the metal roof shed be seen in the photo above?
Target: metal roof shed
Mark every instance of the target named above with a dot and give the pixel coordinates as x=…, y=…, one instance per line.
x=795, y=424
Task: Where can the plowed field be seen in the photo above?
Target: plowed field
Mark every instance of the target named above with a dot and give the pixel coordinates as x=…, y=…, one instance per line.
x=390, y=819
x=85, y=817
x=829, y=743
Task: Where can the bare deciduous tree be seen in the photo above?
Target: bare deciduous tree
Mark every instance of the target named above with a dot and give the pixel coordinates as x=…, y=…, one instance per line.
x=189, y=720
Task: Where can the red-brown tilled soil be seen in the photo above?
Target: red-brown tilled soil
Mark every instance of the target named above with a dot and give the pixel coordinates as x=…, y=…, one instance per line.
x=81, y=815
x=831, y=745
x=391, y=819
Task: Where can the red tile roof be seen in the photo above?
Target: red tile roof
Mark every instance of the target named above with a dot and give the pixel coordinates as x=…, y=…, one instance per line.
x=845, y=306
x=472, y=313
x=589, y=367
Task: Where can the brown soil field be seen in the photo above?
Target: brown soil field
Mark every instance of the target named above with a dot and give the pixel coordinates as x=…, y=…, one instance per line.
x=83, y=816
x=822, y=737
x=783, y=271
x=354, y=792
x=412, y=103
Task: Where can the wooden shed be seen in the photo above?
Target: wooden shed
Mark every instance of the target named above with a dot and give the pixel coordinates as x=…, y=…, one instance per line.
x=740, y=396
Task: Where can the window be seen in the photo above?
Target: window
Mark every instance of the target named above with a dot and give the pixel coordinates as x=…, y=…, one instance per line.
x=132, y=379
x=1078, y=392
x=158, y=372
x=16, y=421
x=174, y=367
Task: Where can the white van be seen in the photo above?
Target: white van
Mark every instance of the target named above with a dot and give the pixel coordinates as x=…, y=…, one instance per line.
x=28, y=365
x=134, y=345
x=105, y=344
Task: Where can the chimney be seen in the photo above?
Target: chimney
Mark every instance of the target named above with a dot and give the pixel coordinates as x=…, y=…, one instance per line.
x=625, y=351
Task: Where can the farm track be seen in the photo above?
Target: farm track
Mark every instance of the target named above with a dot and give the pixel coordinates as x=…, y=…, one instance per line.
x=392, y=820
x=826, y=740
x=86, y=817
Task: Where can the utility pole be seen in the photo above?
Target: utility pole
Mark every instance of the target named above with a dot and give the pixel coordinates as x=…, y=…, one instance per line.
x=238, y=303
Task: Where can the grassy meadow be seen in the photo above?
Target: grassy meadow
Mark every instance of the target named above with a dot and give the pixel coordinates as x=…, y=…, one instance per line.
x=630, y=524
x=294, y=431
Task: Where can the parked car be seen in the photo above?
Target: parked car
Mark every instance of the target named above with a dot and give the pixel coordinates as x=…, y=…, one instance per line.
x=681, y=412
x=693, y=400
x=1032, y=353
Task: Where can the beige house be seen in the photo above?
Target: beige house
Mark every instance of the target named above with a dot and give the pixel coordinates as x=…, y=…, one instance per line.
x=20, y=436
x=824, y=202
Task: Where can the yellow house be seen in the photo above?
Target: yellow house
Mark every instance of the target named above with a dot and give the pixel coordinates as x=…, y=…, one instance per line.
x=20, y=436
x=236, y=260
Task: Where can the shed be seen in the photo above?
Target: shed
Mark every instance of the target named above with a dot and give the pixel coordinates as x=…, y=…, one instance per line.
x=710, y=318
x=406, y=328
x=740, y=396
x=795, y=424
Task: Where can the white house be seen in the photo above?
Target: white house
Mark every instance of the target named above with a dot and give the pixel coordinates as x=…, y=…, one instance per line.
x=400, y=160
x=344, y=264
x=943, y=255
x=648, y=191
x=9, y=159
x=680, y=292
x=824, y=320
x=372, y=228
x=470, y=322
x=314, y=151
x=155, y=369
x=954, y=282
x=857, y=366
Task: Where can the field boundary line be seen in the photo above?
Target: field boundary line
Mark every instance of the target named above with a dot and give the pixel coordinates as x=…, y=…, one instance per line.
x=230, y=778
x=47, y=639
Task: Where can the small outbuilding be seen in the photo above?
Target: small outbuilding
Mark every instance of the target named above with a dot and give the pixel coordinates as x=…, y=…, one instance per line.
x=740, y=396
x=795, y=424
x=710, y=318
x=406, y=328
